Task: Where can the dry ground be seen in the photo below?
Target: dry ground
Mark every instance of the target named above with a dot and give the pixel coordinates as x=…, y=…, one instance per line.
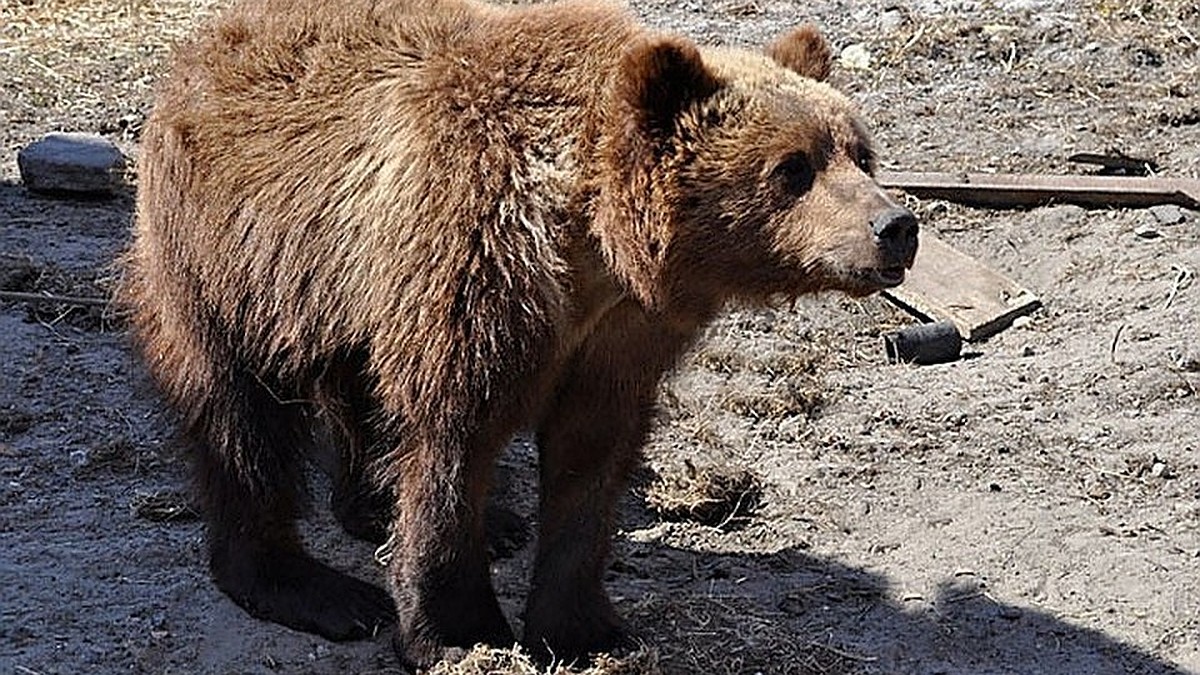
x=1032, y=509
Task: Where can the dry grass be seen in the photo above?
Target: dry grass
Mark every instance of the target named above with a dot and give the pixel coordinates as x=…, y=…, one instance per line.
x=1022, y=76
x=734, y=635
x=98, y=31
x=718, y=496
x=488, y=661
x=25, y=275
x=952, y=38
x=164, y=506
x=87, y=66
x=117, y=456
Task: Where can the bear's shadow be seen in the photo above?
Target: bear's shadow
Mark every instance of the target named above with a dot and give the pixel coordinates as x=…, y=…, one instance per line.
x=794, y=612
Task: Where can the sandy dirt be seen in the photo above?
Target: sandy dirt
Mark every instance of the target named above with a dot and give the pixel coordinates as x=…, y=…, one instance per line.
x=1034, y=508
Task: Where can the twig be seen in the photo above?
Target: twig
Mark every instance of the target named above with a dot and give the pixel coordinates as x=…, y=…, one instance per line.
x=1112, y=349
x=17, y=296
x=54, y=331
x=1183, y=276
x=913, y=40
x=1187, y=34
x=48, y=70
x=735, y=512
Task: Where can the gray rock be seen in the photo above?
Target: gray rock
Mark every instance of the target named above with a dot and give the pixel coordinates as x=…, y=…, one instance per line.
x=1168, y=214
x=855, y=57
x=72, y=163
x=1147, y=231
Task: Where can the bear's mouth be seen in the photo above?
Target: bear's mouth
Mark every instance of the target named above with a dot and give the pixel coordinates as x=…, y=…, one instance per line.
x=886, y=277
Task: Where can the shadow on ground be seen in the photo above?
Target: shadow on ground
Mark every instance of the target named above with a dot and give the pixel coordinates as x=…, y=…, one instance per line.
x=791, y=612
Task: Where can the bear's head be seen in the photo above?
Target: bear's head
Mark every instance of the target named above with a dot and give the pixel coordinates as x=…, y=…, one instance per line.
x=730, y=173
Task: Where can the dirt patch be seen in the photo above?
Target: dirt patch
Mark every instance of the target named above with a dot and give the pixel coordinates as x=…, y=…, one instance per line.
x=1033, y=509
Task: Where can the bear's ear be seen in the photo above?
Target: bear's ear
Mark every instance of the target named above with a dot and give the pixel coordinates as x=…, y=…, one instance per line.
x=803, y=51
x=658, y=79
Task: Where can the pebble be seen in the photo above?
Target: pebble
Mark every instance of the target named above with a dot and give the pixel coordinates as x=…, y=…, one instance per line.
x=890, y=20
x=73, y=163
x=320, y=652
x=855, y=57
x=1168, y=214
x=1146, y=231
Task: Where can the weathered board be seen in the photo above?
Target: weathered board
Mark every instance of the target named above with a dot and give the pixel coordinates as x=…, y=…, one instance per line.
x=1025, y=190
x=948, y=285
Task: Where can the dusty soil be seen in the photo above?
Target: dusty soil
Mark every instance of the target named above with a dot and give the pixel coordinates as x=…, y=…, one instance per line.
x=1032, y=509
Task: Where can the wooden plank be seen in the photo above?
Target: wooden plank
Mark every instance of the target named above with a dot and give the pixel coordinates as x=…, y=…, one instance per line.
x=1026, y=190
x=948, y=285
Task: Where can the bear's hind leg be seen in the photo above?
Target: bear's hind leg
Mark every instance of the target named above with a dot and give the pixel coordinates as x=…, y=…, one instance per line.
x=359, y=501
x=249, y=472
x=359, y=506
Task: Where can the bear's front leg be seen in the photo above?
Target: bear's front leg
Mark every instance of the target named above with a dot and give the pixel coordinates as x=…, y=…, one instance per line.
x=589, y=442
x=439, y=568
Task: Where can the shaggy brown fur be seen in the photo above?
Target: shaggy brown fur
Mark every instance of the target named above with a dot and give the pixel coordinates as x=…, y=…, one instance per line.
x=433, y=224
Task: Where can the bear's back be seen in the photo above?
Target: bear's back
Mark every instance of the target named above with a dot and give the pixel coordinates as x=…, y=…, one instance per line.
x=320, y=169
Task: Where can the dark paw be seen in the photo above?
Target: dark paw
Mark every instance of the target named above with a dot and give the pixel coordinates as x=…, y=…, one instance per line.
x=418, y=655
x=420, y=650
x=298, y=592
x=576, y=640
x=506, y=531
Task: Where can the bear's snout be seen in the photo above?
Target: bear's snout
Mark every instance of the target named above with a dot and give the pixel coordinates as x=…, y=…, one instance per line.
x=896, y=232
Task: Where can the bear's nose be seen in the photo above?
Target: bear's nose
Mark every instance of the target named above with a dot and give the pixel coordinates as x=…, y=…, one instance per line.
x=895, y=224
x=896, y=230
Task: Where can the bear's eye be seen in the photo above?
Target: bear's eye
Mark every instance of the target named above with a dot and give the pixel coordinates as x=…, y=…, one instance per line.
x=865, y=159
x=795, y=173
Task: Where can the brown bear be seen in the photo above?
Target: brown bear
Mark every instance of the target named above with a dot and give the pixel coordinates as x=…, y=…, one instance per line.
x=431, y=225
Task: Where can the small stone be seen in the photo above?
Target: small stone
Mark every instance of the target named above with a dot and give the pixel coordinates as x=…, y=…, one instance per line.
x=992, y=29
x=1158, y=469
x=1168, y=214
x=855, y=57
x=79, y=457
x=1144, y=57
x=73, y=163
x=1021, y=322
x=890, y=20
x=1028, y=351
x=1146, y=231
